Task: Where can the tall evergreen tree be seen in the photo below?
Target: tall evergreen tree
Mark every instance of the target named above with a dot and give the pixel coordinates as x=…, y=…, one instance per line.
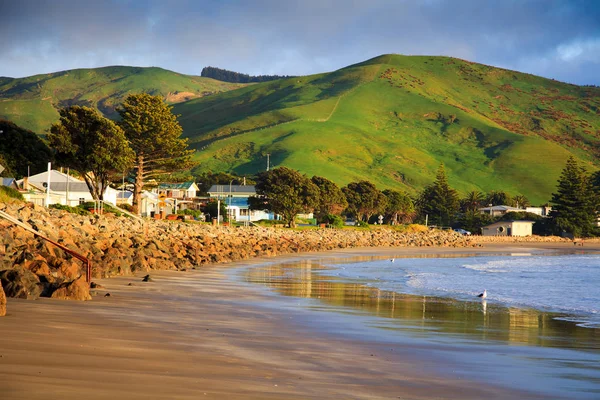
x=573, y=208
x=155, y=136
x=439, y=201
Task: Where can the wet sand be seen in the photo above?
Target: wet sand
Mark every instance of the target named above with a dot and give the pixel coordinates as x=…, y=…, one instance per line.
x=199, y=334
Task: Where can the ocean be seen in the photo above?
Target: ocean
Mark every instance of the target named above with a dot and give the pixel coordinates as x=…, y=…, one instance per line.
x=568, y=285
x=538, y=330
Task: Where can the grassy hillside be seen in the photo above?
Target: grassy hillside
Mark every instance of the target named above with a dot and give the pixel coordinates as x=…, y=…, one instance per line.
x=33, y=102
x=393, y=119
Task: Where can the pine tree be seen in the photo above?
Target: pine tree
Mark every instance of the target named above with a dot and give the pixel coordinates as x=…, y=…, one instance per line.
x=573, y=208
x=439, y=201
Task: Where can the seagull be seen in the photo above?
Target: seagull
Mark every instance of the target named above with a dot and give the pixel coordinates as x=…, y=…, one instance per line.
x=392, y=260
x=483, y=295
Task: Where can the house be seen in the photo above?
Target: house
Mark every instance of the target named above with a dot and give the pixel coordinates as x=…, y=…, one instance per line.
x=496, y=211
x=236, y=199
x=64, y=189
x=508, y=228
x=179, y=191
x=180, y=196
x=543, y=211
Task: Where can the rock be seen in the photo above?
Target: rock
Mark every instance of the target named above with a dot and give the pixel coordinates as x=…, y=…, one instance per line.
x=107, y=295
x=147, y=279
x=74, y=290
x=21, y=283
x=2, y=301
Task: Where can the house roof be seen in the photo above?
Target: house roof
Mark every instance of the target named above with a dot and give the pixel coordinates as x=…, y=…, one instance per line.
x=189, y=185
x=244, y=190
x=124, y=194
x=6, y=181
x=501, y=208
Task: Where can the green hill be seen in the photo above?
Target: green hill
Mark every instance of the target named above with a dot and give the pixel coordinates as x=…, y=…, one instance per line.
x=393, y=119
x=33, y=102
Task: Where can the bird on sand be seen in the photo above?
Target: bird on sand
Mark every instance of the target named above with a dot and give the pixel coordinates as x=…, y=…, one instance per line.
x=483, y=295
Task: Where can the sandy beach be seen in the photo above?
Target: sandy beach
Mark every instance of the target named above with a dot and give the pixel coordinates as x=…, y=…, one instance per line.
x=200, y=334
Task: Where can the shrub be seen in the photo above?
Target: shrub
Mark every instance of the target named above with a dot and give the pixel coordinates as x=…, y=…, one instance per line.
x=10, y=193
x=73, y=210
x=334, y=220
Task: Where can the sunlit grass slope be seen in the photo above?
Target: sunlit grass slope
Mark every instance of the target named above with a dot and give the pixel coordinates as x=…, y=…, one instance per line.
x=33, y=102
x=393, y=119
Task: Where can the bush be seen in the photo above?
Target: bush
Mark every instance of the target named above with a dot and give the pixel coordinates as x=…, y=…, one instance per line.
x=334, y=220
x=197, y=214
x=361, y=224
x=73, y=210
x=10, y=193
x=89, y=205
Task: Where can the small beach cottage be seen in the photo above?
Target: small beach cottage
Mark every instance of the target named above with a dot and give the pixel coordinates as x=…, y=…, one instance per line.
x=235, y=198
x=508, y=228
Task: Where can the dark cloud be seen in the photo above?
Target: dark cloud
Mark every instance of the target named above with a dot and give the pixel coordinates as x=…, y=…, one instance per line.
x=557, y=39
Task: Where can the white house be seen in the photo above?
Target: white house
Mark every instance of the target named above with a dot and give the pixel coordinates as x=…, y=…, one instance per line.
x=495, y=211
x=508, y=228
x=543, y=211
x=64, y=189
x=235, y=198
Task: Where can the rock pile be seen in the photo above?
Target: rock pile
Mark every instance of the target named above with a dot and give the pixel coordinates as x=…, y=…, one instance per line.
x=31, y=267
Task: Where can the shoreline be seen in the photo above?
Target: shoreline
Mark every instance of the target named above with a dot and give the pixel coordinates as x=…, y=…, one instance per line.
x=196, y=332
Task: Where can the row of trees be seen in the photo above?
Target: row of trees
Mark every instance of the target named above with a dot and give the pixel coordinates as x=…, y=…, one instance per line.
x=576, y=204
x=236, y=77
x=146, y=141
x=288, y=193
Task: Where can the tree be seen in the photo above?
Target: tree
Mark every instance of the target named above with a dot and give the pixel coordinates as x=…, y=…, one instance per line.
x=155, y=137
x=331, y=198
x=439, y=201
x=472, y=201
x=22, y=150
x=399, y=208
x=285, y=192
x=573, y=208
x=521, y=201
x=499, y=198
x=364, y=199
x=92, y=145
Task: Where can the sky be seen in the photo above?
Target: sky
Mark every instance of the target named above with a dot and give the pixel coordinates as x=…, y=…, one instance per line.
x=557, y=39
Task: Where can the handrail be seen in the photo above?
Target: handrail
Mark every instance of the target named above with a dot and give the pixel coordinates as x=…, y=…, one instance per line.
x=88, y=264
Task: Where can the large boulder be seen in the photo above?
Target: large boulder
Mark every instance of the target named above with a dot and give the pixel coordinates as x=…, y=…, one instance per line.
x=78, y=289
x=2, y=301
x=21, y=283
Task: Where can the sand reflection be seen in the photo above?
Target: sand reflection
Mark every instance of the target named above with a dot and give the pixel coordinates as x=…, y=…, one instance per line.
x=476, y=320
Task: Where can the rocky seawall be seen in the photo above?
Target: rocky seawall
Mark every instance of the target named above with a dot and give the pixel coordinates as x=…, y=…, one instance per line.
x=31, y=267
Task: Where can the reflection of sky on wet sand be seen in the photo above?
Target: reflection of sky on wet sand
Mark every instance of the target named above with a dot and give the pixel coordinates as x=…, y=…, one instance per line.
x=516, y=347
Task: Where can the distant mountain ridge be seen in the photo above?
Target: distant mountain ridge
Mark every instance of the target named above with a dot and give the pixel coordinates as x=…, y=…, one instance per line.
x=33, y=102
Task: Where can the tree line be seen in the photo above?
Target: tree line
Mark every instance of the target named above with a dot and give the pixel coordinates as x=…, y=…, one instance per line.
x=236, y=77
x=284, y=191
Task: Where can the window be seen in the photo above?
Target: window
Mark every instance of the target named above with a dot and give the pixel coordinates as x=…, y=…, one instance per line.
x=81, y=200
